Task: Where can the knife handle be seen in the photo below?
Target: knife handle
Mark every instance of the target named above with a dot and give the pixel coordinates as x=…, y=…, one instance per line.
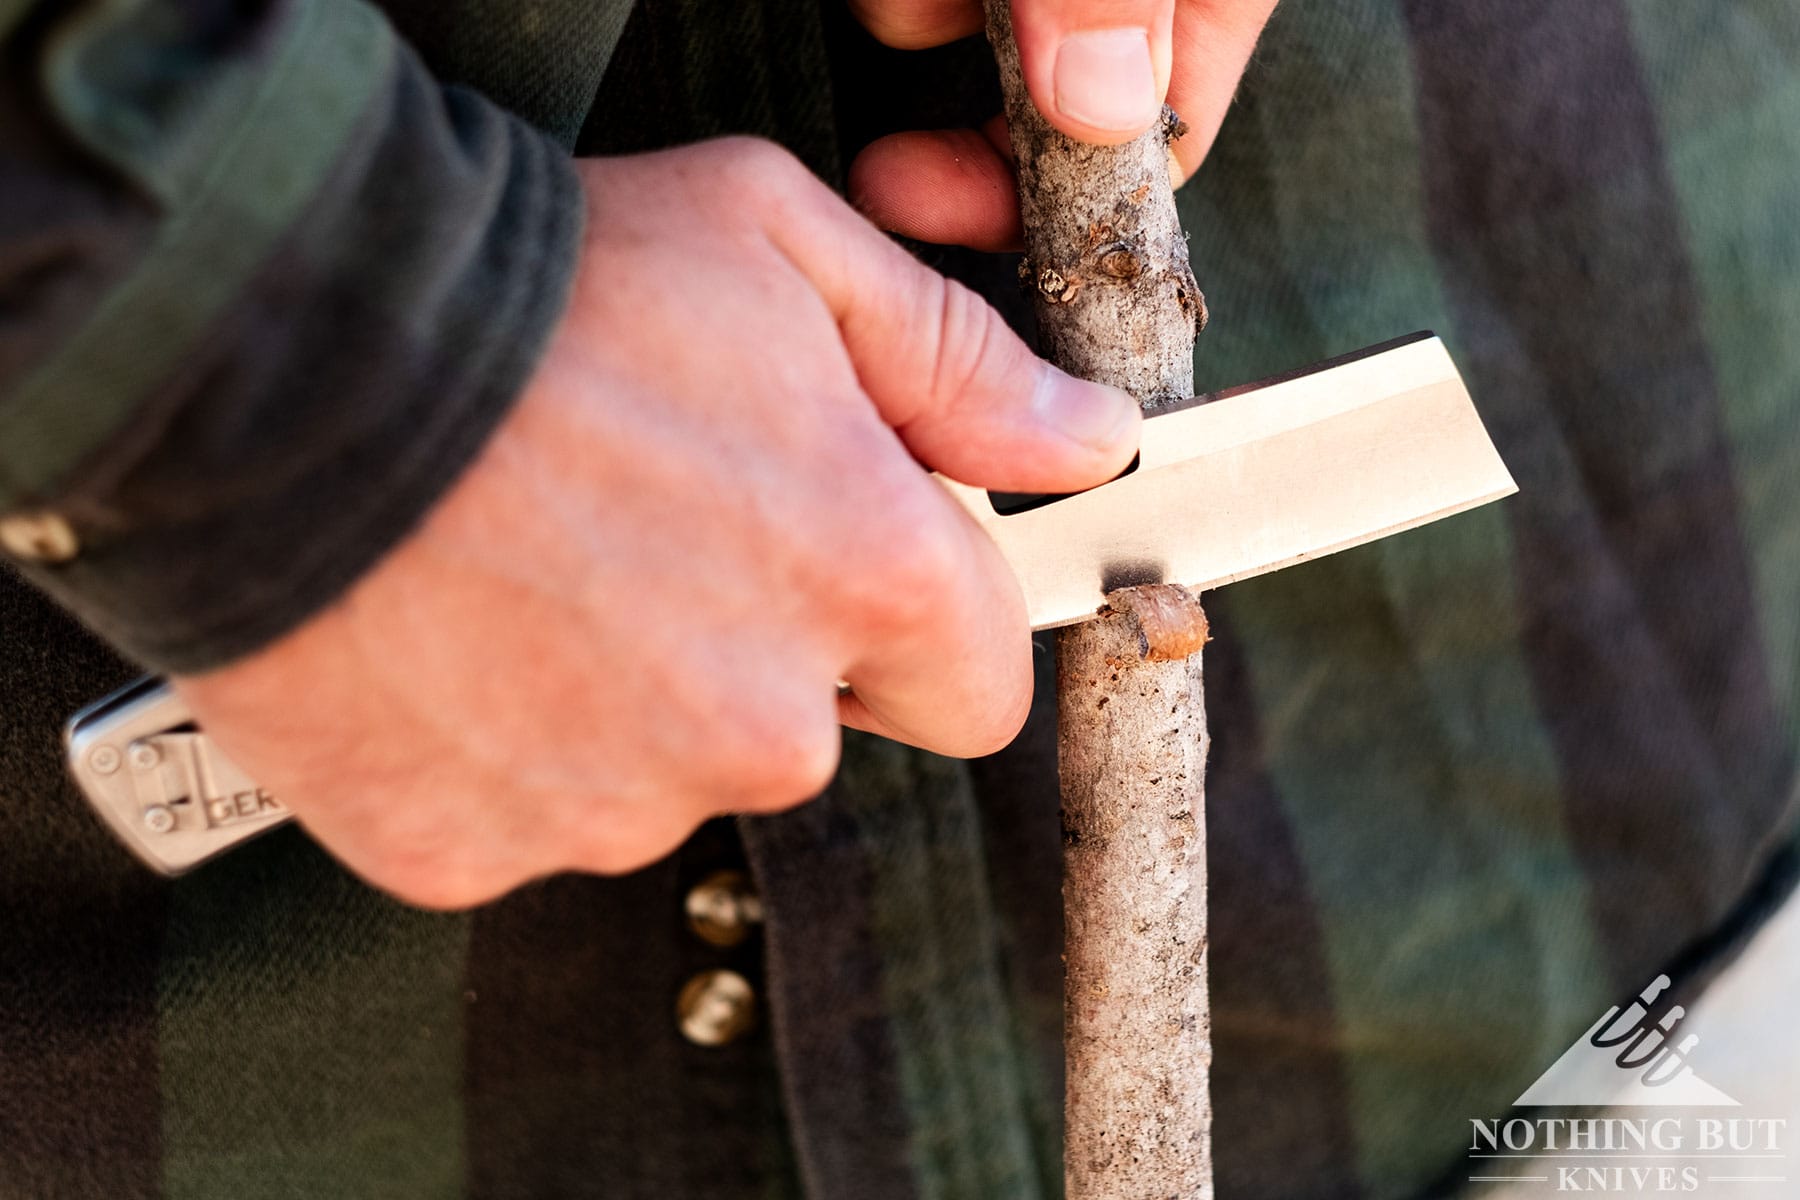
x=160, y=784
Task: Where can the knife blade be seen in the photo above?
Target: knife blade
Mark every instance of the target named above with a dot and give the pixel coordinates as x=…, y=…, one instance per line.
x=1257, y=478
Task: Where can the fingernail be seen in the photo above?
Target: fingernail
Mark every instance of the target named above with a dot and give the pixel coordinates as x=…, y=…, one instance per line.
x=1095, y=416
x=1104, y=79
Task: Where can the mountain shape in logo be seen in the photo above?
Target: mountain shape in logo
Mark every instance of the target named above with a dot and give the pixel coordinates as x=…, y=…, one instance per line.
x=1625, y=1059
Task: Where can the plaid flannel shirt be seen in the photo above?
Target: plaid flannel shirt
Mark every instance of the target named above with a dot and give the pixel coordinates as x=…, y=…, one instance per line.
x=1469, y=785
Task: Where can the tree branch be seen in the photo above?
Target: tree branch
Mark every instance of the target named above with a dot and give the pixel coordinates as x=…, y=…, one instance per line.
x=1117, y=302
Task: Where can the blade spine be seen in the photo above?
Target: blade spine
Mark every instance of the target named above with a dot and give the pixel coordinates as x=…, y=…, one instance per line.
x=1173, y=441
x=1238, y=389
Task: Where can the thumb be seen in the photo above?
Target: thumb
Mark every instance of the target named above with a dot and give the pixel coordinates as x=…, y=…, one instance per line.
x=1097, y=69
x=947, y=374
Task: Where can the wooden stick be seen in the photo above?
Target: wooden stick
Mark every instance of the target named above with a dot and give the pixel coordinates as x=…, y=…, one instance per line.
x=1104, y=252
x=1136, y=1036
x=1117, y=302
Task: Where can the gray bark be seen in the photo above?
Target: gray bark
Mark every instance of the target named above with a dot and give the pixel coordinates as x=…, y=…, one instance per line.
x=1136, y=1034
x=1117, y=302
x=1104, y=253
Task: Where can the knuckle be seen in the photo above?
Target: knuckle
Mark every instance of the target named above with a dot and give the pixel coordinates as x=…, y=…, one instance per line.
x=437, y=881
x=616, y=851
x=912, y=562
x=789, y=760
x=1002, y=721
x=758, y=168
x=769, y=195
x=407, y=850
x=993, y=718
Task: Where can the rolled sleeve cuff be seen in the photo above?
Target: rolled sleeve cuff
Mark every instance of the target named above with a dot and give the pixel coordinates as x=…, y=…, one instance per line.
x=300, y=366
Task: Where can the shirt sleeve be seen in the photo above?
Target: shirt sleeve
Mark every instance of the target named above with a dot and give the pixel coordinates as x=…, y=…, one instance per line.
x=266, y=287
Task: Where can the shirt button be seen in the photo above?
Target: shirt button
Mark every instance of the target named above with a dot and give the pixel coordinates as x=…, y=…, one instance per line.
x=722, y=908
x=716, y=1007
x=38, y=537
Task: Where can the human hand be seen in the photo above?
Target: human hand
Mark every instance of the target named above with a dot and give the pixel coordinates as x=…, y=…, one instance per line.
x=1099, y=70
x=629, y=615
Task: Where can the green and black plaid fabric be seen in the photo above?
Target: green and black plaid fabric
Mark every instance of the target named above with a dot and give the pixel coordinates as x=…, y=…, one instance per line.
x=1478, y=781
x=1469, y=785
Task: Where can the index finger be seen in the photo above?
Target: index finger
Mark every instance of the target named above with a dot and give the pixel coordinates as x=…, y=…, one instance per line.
x=1213, y=41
